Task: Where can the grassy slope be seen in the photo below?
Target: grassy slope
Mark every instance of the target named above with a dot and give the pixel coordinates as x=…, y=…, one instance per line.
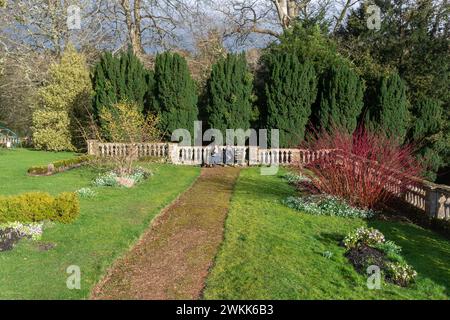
x=109, y=224
x=273, y=252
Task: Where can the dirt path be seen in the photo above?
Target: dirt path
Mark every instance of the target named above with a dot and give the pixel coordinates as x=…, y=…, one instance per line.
x=172, y=259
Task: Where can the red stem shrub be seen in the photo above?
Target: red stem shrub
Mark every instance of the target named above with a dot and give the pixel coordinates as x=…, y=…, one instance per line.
x=364, y=168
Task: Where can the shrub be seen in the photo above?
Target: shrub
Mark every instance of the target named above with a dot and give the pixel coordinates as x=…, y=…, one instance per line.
x=328, y=206
x=365, y=169
x=124, y=123
x=38, y=206
x=67, y=207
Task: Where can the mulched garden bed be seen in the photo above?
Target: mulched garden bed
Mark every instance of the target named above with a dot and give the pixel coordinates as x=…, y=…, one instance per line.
x=9, y=238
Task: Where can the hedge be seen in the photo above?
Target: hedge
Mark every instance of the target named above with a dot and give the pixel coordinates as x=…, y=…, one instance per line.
x=39, y=206
x=59, y=166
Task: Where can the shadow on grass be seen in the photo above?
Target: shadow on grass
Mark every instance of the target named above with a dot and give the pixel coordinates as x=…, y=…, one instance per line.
x=426, y=251
x=330, y=238
x=269, y=189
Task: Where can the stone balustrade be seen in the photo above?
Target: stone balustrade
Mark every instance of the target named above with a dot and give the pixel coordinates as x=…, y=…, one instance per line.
x=8, y=141
x=433, y=199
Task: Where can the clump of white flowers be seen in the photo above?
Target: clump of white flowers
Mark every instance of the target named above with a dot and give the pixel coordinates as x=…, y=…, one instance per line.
x=86, y=193
x=294, y=178
x=365, y=236
x=326, y=206
x=112, y=179
x=28, y=230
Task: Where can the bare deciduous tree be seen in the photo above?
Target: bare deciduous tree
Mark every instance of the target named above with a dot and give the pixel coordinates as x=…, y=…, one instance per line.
x=272, y=17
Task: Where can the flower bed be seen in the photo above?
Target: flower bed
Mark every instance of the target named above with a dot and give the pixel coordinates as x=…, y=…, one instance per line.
x=326, y=206
x=59, y=166
x=11, y=233
x=368, y=247
x=113, y=179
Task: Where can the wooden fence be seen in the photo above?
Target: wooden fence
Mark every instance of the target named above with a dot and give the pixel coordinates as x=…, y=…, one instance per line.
x=431, y=198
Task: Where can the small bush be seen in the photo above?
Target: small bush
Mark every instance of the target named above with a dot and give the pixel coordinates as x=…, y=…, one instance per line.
x=326, y=206
x=38, y=206
x=67, y=207
x=361, y=167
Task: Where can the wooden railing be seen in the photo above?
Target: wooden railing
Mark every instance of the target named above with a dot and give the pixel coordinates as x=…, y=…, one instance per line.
x=433, y=199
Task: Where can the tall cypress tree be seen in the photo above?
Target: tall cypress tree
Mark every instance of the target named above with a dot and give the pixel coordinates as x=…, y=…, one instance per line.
x=427, y=133
x=175, y=94
x=291, y=89
x=119, y=78
x=341, y=98
x=230, y=94
x=390, y=112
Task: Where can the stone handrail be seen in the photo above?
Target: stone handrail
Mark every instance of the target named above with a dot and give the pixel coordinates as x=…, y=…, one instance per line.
x=431, y=198
x=122, y=149
x=9, y=141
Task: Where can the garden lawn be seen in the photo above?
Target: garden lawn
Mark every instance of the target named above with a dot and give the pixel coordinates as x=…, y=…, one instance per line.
x=274, y=252
x=108, y=226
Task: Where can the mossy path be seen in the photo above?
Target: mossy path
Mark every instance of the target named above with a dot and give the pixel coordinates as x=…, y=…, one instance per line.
x=172, y=259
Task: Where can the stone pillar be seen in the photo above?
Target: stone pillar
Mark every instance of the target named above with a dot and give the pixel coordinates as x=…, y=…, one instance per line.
x=295, y=157
x=253, y=155
x=431, y=202
x=172, y=153
x=92, y=146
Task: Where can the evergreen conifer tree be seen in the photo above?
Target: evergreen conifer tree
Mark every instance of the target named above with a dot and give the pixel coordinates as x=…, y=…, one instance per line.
x=341, y=98
x=119, y=78
x=390, y=112
x=230, y=95
x=291, y=89
x=174, y=94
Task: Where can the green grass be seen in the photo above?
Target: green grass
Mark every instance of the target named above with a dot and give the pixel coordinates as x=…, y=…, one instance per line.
x=273, y=252
x=108, y=225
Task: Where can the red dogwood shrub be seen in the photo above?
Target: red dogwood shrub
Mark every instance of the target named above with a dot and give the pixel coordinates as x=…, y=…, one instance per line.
x=364, y=168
